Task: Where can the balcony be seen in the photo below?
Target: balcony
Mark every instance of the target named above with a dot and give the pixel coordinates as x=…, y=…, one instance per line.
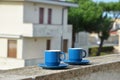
x=46, y=30
x=34, y=30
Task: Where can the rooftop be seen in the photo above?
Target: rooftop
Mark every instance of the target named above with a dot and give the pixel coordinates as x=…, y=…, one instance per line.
x=53, y=2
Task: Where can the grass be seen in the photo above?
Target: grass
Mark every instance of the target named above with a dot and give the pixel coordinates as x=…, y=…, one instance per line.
x=102, y=54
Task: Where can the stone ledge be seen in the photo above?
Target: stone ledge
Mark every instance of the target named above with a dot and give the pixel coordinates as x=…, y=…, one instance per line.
x=99, y=65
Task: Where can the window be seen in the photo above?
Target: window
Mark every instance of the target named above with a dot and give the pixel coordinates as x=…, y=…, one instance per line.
x=41, y=15
x=49, y=16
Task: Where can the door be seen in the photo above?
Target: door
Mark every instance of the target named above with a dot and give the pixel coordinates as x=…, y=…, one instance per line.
x=48, y=45
x=12, y=48
x=65, y=45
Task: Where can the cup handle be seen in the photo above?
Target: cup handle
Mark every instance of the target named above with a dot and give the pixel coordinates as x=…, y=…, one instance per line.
x=62, y=59
x=85, y=53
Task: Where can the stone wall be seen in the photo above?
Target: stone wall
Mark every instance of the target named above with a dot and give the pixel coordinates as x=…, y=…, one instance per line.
x=100, y=68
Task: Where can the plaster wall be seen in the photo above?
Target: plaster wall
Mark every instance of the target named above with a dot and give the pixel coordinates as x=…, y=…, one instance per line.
x=3, y=47
x=11, y=19
x=31, y=13
x=33, y=48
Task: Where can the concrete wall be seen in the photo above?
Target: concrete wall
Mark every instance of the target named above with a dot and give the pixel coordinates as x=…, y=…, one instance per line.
x=100, y=68
x=56, y=43
x=31, y=13
x=33, y=48
x=3, y=47
x=11, y=19
x=47, y=30
x=11, y=12
x=30, y=51
x=19, y=48
x=65, y=16
x=11, y=63
x=23, y=16
x=67, y=34
x=101, y=75
x=82, y=41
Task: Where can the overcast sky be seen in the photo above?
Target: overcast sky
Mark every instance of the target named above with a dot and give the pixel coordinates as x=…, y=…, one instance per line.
x=105, y=0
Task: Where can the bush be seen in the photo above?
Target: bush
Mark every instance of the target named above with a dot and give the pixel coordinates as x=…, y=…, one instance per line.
x=107, y=50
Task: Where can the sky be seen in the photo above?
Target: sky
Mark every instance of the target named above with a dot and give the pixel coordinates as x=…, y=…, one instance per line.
x=106, y=0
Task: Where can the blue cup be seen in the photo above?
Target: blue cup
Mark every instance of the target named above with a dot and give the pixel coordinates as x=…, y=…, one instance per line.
x=76, y=54
x=54, y=57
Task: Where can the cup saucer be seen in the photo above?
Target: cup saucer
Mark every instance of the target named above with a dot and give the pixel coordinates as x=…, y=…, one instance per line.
x=61, y=66
x=82, y=62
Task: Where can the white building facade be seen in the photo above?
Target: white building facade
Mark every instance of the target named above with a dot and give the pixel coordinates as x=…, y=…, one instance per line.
x=28, y=27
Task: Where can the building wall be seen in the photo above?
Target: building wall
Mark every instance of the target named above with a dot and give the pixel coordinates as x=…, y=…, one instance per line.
x=20, y=18
x=56, y=43
x=65, y=17
x=3, y=47
x=11, y=19
x=30, y=51
x=16, y=19
x=11, y=63
x=31, y=13
x=19, y=48
x=67, y=34
x=11, y=12
x=33, y=48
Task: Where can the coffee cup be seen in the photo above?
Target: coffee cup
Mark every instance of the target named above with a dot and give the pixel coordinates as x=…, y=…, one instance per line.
x=76, y=54
x=54, y=57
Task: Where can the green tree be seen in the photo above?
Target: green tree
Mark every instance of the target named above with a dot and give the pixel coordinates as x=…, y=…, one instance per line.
x=85, y=16
x=106, y=24
x=89, y=17
x=104, y=27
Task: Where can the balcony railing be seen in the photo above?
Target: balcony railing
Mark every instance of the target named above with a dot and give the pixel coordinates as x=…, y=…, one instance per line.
x=45, y=30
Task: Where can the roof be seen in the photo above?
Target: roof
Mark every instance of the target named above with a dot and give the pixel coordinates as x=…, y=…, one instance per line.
x=53, y=2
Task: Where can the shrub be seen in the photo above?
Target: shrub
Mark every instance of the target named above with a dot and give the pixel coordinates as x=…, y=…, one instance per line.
x=106, y=49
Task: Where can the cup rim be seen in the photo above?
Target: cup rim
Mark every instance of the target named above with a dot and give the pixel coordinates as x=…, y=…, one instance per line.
x=52, y=50
x=75, y=48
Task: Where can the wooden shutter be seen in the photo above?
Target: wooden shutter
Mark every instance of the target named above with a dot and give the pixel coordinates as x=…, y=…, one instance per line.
x=41, y=15
x=65, y=45
x=48, y=45
x=12, y=48
x=49, y=16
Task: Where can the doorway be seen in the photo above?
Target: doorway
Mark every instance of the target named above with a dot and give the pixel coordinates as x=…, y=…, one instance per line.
x=65, y=45
x=12, y=48
x=48, y=45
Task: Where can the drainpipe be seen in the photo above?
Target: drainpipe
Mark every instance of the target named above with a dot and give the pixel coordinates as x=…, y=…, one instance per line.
x=62, y=29
x=63, y=9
